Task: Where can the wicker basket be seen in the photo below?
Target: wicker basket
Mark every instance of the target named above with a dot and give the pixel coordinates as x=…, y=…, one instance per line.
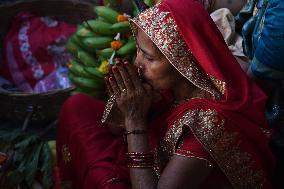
x=44, y=106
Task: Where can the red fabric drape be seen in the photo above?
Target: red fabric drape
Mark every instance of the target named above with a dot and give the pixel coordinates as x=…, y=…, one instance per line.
x=88, y=155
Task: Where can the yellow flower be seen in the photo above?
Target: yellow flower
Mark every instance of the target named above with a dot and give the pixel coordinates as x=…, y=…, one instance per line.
x=69, y=64
x=121, y=18
x=116, y=44
x=104, y=67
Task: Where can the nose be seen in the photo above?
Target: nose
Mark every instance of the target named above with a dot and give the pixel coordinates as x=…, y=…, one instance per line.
x=139, y=64
x=138, y=60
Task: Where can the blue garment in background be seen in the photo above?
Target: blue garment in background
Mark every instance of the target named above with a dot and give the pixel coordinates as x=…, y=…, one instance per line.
x=268, y=41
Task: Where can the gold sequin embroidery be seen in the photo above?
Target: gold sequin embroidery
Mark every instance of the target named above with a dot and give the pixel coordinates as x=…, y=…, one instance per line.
x=108, y=107
x=222, y=145
x=220, y=85
x=66, y=155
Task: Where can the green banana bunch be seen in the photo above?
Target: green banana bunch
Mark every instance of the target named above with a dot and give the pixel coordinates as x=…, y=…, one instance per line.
x=72, y=47
x=107, y=13
x=99, y=27
x=97, y=42
x=105, y=53
x=81, y=82
x=128, y=48
x=121, y=27
x=94, y=72
x=86, y=58
x=76, y=40
x=85, y=32
x=78, y=70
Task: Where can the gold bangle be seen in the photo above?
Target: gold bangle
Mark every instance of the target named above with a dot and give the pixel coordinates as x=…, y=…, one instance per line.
x=139, y=153
x=140, y=166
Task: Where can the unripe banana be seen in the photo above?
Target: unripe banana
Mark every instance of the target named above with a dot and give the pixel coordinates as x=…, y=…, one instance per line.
x=128, y=48
x=105, y=53
x=72, y=47
x=93, y=83
x=75, y=39
x=94, y=72
x=85, y=32
x=102, y=19
x=78, y=70
x=107, y=13
x=99, y=27
x=87, y=59
x=120, y=27
x=97, y=42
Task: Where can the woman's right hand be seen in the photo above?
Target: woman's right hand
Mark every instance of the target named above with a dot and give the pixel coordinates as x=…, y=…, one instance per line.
x=115, y=121
x=133, y=97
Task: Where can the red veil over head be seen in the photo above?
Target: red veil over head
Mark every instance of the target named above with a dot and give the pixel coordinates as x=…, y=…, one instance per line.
x=186, y=35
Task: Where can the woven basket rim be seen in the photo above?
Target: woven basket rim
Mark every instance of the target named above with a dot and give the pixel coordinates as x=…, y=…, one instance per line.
x=25, y=94
x=75, y=2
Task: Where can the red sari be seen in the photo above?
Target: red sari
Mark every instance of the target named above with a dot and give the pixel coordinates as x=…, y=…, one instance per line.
x=226, y=128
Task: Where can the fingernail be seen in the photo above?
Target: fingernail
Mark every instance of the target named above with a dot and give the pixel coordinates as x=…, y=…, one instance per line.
x=125, y=63
x=114, y=68
x=106, y=78
x=117, y=60
x=118, y=64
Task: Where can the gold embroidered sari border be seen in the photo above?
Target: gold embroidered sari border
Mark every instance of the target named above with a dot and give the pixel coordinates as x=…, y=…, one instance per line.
x=236, y=165
x=208, y=163
x=223, y=146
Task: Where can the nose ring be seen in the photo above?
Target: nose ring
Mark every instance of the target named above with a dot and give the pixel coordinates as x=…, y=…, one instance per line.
x=139, y=71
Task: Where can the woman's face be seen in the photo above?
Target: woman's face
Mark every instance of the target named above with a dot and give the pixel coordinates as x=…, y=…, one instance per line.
x=153, y=65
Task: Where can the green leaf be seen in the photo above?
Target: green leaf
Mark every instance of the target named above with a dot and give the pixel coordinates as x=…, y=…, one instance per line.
x=14, y=178
x=18, y=156
x=9, y=135
x=31, y=167
x=27, y=141
x=46, y=167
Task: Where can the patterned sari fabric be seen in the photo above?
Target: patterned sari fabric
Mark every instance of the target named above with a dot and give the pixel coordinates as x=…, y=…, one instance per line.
x=224, y=125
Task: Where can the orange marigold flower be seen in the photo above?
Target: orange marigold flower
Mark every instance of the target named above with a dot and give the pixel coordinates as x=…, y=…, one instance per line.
x=121, y=18
x=116, y=44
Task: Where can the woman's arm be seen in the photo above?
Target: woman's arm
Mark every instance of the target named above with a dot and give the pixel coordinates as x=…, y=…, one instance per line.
x=142, y=178
x=181, y=172
x=233, y=5
x=184, y=172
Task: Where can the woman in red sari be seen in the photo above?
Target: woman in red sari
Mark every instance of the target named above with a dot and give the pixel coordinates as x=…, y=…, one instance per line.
x=207, y=131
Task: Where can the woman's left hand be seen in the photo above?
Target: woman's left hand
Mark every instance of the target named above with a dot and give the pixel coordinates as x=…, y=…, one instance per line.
x=132, y=96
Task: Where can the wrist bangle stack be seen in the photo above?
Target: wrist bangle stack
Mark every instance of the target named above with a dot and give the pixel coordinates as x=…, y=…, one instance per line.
x=135, y=132
x=140, y=159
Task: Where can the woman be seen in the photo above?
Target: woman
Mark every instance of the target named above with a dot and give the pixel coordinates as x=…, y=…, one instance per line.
x=207, y=132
